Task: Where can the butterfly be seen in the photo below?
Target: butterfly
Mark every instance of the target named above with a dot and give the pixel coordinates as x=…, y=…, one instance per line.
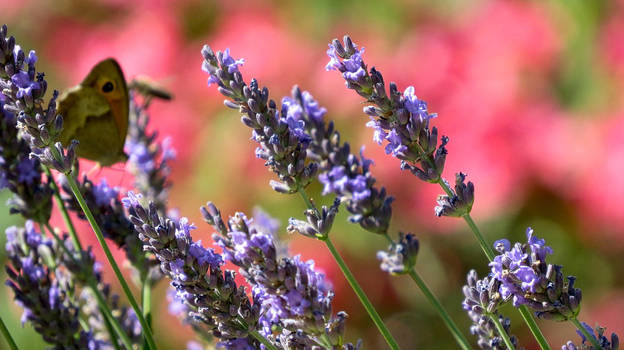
x=95, y=112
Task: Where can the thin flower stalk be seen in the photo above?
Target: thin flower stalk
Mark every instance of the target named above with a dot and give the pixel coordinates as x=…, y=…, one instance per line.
x=401, y=122
x=109, y=256
x=7, y=335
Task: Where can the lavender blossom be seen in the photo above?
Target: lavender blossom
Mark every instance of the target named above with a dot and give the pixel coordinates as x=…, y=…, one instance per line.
x=401, y=256
x=401, y=121
x=528, y=279
x=282, y=139
x=43, y=290
x=23, y=89
x=32, y=195
x=482, y=302
x=295, y=298
x=598, y=335
x=148, y=161
x=210, y=293
x=341, y=172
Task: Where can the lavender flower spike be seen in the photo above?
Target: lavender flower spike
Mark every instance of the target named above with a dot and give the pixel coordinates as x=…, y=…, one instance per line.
x=23, y=89
x=22, y=175
x=212, y=296
x=528, y=279
x=401, y=121
x=598, y=334
x=345, y=174
x=43, y=290
x=282, y=139
x=295, y=298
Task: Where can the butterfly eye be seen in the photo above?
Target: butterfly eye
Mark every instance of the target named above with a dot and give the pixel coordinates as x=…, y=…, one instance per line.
x=107, y=87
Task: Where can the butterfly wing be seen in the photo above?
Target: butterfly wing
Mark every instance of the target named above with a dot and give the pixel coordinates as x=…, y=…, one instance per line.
x=78, y=106
x=108, y=79
x=96, y=114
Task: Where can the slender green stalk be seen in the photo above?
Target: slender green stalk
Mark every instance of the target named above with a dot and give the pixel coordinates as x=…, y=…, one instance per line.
x=592, y=339
x=7, y=335
x=370, y=309
x=113, y=327
x=59, y=202
x=361, y=295
x=457, y=334
x=262, y=340
x=146, y=301
x=537, y=332
x=489, y=252
x=501, y=332
x=482, y=242
x=111, y=332
x=124, y=285
x=103, y=306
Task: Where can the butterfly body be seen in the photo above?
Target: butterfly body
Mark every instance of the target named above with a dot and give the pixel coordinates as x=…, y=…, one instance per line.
x=95, y=113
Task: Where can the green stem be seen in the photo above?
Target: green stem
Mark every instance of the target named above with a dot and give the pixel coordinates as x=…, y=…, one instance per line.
x=370, y=309
x=262, y=340
x=98, y=234
x=111, y=332
x=7, y=335
x=361, y=295
x=457, y=334
x=501, y=332
x=592, y=339
x=103, y=306
x=489, y=252
x=533, y=327
x=146, y=300
x=59, y=202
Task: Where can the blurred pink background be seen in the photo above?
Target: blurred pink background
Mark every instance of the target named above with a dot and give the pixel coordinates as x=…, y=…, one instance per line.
x=529, y=92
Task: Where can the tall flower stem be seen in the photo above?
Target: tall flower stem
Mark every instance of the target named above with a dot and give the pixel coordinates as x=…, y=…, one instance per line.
x=111, y=331
x=7, y=335
x=146, y=301
x=103, y=306
x=112, y=325
x=59, y=202
x=489, y=252
x=370, y=309
x=457, y=334
x=592, y=339
x=361, y=295
x=501, y=332
x=147, y=332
